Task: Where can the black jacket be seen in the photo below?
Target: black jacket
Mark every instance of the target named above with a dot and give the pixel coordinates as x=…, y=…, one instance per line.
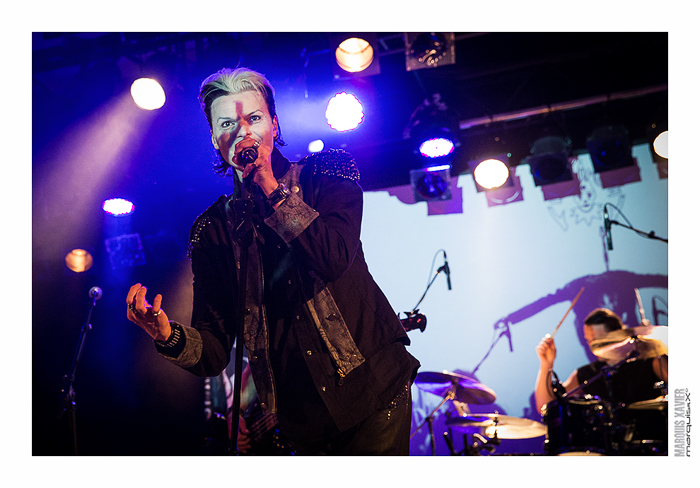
x=325, y=339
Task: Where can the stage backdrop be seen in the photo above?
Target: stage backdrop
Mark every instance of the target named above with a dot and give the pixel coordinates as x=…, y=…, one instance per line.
x=516, y=265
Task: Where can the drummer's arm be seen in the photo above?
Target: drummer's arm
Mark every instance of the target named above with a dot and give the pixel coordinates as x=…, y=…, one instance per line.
x=547, y=353
x=543, y=388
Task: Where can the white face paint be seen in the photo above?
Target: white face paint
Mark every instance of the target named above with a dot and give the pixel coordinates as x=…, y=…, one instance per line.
x=237, y=117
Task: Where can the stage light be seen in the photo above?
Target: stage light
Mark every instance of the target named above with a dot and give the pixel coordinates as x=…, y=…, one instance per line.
x=316, y=146
x=125, y=251
x=79, y=260
x=436, y=147
x=354, y=54
x=549, y=162
x=491, y=173
x=118, y=207
x=657, y=136
x=431, y=184
x=609, y=148
x=429, y=49
x=148, y=94
x=432, y=128
x=344, y=112
x=661, y=144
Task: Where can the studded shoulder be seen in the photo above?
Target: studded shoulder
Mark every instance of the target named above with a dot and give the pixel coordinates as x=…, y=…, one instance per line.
x=333, y=162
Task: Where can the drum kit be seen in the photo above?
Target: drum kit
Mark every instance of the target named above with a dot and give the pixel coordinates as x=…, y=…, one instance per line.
x=572, y=424
x=486, y=430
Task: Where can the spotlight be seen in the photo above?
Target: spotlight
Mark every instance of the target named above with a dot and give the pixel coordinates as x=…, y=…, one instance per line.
x=431, y=184
x=496, y=180
x=316, y=146
x=429, y=49
x=355, y=54
x=432, y=128
x=660, y=145
x=436, y=147
x=344, y=112
x=490, y=174
x=609, y=148
x=118, y=207
x=549, y=162
x=79, y=260
x=657, y=135
x=148, y=94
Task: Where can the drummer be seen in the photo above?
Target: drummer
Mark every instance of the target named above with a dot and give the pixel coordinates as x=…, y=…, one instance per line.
x=633, y=381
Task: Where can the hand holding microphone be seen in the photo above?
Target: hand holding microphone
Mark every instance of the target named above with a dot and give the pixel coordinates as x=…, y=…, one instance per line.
x=248, y=157
x=257, y=166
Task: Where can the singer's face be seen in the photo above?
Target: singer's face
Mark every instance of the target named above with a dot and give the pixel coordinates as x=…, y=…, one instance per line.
x=237, y=117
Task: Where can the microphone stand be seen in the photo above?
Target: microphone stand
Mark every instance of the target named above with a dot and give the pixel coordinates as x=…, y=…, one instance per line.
x=243, y=236
x=67, y=403
x=649, y=235
x=450, y=395
x=441, y=268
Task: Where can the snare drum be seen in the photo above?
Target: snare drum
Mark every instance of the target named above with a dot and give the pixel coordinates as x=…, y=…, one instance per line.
x=578, y=427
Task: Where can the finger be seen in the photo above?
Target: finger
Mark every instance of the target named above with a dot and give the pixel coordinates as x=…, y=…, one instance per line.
x=140, y=302
x=242, y=427
x=156, y=303
x=249, y=169
x=131, y=295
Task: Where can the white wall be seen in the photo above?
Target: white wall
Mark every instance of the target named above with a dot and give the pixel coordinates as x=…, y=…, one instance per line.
x=505, y=258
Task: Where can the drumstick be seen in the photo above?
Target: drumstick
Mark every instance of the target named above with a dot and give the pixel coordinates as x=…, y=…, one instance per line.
x=641, y=308
x=567, y=312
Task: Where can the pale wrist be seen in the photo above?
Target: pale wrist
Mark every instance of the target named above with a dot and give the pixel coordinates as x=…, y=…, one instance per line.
x=268, y=186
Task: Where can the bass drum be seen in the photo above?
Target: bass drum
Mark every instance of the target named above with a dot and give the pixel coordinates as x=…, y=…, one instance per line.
x=578, y=427
x=645, y=428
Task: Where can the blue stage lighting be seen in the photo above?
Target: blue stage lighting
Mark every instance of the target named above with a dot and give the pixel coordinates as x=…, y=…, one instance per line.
x=436, y=147
x=118, y=207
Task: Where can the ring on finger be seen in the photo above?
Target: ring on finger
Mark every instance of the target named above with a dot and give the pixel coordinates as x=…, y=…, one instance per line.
x=132, y=307
x=256, y=144
x=156, y=314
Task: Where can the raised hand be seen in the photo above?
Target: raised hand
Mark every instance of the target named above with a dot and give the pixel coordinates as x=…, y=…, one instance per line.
x=150, y=318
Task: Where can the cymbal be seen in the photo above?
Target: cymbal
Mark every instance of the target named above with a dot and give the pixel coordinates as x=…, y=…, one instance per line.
x=466, y=389
x=497, y=425
x=660, y=403
x=649, y=341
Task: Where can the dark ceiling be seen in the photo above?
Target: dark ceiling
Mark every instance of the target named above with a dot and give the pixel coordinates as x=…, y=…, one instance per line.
x=616, y=77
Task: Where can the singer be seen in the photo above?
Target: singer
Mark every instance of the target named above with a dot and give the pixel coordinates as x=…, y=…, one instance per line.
x=326, y=351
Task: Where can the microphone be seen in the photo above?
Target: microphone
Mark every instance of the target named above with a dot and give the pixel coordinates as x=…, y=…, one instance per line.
x=95, y=292
x=447, y=271
x=249, y=155
x=608, y=234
